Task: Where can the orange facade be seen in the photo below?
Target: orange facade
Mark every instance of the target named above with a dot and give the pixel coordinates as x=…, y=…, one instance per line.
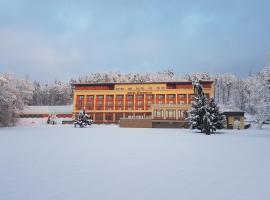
x=107, y=103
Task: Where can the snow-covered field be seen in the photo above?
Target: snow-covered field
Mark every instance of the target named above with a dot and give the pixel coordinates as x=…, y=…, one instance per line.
x=110, y=163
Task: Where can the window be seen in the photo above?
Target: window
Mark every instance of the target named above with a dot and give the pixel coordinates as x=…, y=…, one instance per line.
x=184, y=114
x=129, y=97
x=99, y=117
x=109, y=117
x=160, y=96
x=100, y=97
x=118, y=116
x=90, y=97
x=170, y=113
x=119, y=103
x=110, y=97
x=80, y=101
x=179, y=114
x=130, y=103
x=149, y=103
x=89, y=103
x=159, y=113
x=99, y=103
x=140, y=96
x=149, y=97
x=109, y=103
x=182, y=96
x=140, y=103
x=119, y=97
x=171, y=96
x=160, y=102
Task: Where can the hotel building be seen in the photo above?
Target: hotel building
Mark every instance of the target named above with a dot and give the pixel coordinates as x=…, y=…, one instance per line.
x=108, y=102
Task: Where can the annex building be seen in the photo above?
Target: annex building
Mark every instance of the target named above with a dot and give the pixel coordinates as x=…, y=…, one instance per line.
x=109, y=102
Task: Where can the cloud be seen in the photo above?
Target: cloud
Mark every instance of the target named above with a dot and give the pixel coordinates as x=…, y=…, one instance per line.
x=59, y=39
x=28, y=51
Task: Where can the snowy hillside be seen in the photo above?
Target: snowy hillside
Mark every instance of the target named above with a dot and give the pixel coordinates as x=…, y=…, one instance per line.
x=111, y=163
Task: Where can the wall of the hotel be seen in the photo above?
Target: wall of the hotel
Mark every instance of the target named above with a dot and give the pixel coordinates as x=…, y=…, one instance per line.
x=110, y=103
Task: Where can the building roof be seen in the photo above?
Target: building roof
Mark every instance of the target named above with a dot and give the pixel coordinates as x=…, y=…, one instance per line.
x=234, y=113
x=47, y=109
x=229, y=108
x=126, y=83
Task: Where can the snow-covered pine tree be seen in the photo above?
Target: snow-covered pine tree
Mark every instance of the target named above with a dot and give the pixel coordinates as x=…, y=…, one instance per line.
x=204, y=115
x=217, y=119
x=199, y=117
x=196, y=113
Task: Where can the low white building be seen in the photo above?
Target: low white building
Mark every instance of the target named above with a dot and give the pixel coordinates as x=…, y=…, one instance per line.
x=45, y=111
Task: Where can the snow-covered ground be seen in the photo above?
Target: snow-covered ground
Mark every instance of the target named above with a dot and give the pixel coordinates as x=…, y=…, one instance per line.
x=110, y=163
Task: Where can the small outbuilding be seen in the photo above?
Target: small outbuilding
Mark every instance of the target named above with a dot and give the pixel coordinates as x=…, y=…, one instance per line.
x=235, y=119
x=45, y=111
x=42, y=114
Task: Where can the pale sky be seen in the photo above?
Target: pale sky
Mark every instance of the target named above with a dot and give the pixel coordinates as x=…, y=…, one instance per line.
x=62, y=39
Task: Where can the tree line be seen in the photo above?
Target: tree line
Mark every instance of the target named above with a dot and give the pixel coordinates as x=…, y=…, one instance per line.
x=230, y=91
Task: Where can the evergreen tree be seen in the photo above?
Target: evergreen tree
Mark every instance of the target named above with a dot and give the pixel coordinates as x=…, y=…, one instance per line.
x=198, y=109
x=217, y=119
x=204, y=115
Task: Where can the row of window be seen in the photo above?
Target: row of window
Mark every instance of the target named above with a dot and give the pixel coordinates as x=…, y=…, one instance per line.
x=142, y=88
x=121, y=97
x=116, y=116
x=129, y=103
x=181, y=114
x=130, y=99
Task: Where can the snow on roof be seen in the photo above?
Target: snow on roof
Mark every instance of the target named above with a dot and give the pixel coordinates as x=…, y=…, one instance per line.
x=47, y=109
x=147, y=82
x=229, y=108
